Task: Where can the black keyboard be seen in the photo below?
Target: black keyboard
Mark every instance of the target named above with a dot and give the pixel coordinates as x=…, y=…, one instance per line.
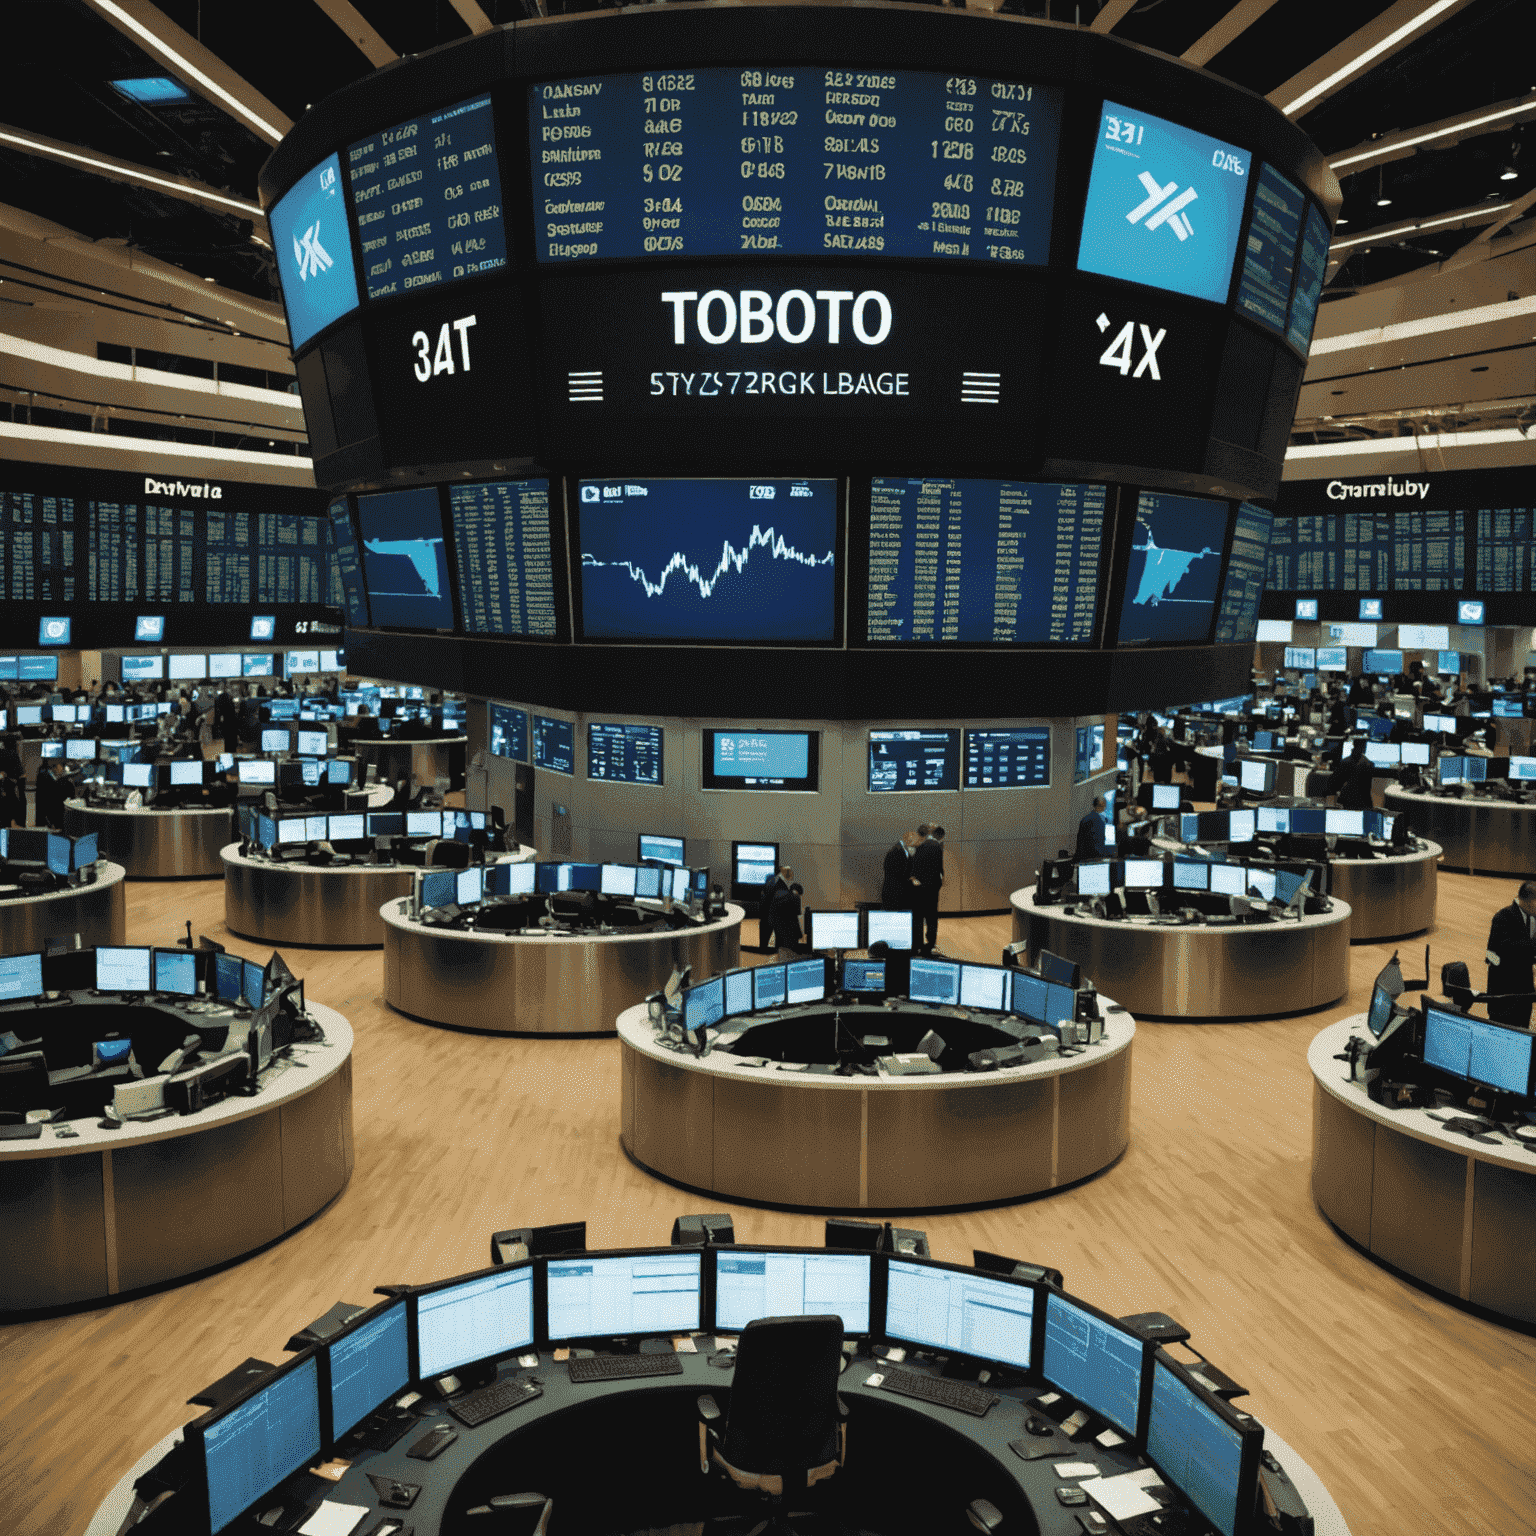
x=622, y=1367
x=1170, y=1521
x=940, y=1390
x=476, y=1407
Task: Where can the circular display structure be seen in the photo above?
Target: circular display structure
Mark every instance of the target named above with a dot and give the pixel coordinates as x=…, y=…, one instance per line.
x=1480, y=836
x=1390, y=897
x=156, y=845
x=97, y=911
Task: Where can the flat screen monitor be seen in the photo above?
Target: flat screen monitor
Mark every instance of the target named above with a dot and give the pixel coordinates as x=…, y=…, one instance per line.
x=21, y=976
x=1175, y=569
x=1256, y=777
x=348, y=828
x=149, y=629
x=1092, y=1359
x=1093, y=879
x=721, y=561
x=53, y=630
x=1380, y=661
x=263, y=1438
x=769, y=986
x=370, y=1364
x=913, y=760
x=864, y=977
x=704, y=1004
x=653, y=848
x=263, y=626
x=253, y=983
x=1379, y=1015
x=1332, y=658
x=945, y=1307
x=1008, y=757
x=1191, y=875
x=224, y=664
x=469, y=885
x=1030, y=996
x=1448, y=663
x=893, y=928
x=481, y=1318
x=1384, y=754
x=509, y=732
x=38, y=669
x=256, y=664
x=834, y=930
x=228, y=977
x=614, y=1295
x=934, y=981
x=122, y=970
x=1471, y=612
x=1370, y=608
x=405, y=561
x=187, y=772
x=1344, y=823
x=1165, y=797
x=1228, y=880
x=761, y=760
x=254, y=770
x=754, y=1283
x=1415, y=754
x=1300, y=658
x=338, y=770
x=1272, y=819
x=805, y=981
x=1143, y=874
x=138, y=669
x=80, y=749
x=1274, y=632
x=753, y=864
x=293, y=829
x=738, y=992
x=85, y=851
x=1477, y=1050
x=439, y=888
x=984, y=986
x=187, y=664
x=624, y=753
x=618, y=880
x=300, y=663
x=1424, y=637
x=275, y=739
x=1261, y=883
x=312, y=743
x=554, y=744
x=1306, y=609
x=176, y=972
x=47, y=749
x=1198, y=1444
x=423, y=823
x=518, y=879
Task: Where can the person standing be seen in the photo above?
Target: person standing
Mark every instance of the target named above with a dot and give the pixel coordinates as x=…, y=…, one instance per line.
x=1511, y=958
x=896, y=883
x=779, y=881
x=928, y=874
x=786, y=916
x=1090, y=832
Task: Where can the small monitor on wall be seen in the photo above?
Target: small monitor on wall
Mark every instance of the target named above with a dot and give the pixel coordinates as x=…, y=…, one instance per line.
x=53, y=630
x=149, y=629
x=1306, y=609
x=1274, y=632
x=263, y=626
x=1471, y=612
x=1370, y=608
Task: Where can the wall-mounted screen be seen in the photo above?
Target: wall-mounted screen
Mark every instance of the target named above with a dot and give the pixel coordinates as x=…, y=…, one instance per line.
x=1175, y=566
x=1269, y=258
x=149, y=629
x=1237, y=620
x=257, y=664
x=1424, y=637
x=509, y=732
x=773, y=760
x=1312, y=265
x=53, y=630
x=426, y=196
x=624, y=754
x=224, y=664
x=554, y=744
x=1275, y=631
x=506, y=570
x=187, y=664
x=348, y=562
x=1008, y=757
x=794, y=161
x=710, y=560
x=313, y=253
x=138, y=669
x=1332, y=658
x=38, y=669
x=913, y=760
x=1165, y=205
x=405, y=562
x=1376, y=551
x=983, y=561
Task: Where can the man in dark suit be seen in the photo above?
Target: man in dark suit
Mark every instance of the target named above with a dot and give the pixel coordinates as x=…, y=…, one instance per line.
x=928, y=871
x=1090, y=832
x=1511, y=957
x=896, y=885
x=781, y=881
x=786, y=916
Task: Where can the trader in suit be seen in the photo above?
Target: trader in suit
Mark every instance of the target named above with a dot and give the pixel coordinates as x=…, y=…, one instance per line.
x=1352, y=781
x=928, y=872
x=786, y=916
x=1090, y=832
x=1511, y=957
x=897, y=884
x=780, y=881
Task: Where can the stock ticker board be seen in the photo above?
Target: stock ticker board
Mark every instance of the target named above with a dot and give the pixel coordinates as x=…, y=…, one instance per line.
x=794, y=160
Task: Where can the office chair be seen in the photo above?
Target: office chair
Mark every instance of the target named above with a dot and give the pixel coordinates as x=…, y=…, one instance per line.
x=787, y=1428
x=512, y=1514
x=449, y=853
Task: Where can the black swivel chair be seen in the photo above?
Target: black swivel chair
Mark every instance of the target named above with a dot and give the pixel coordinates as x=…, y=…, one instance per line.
x=512, y=1514
x=787, y=1428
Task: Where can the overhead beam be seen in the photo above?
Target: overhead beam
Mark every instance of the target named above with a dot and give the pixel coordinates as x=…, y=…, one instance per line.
x=1479, y=245
x=1399, y=25
x=472, y=16
x=1226, y=31
x=1405, y=229
x=1110, y=14
x=361, y=32
x=196, y=67
x=1442, y=134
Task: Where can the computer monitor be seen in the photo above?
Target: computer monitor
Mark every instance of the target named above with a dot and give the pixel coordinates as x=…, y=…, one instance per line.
x=1057, y=968
x=834, y=930
x=369, y=1364
x=423, y=823
x=469, y=885
x=864, y=977
x=80, y=749
x=85, y=850
x=1091, y=1358
x=1030, y=996
x=1300, y=658
x=1165, y=797
x=805, y=981
x=293, y=829
x=228, y=977
x=1191, y=875
x=187, y=772
x=653, y=848
x=274, y=739
x=1384, y=754
x=1261, y=883
x=256, y=664
x=1256, y=777
x=1448, y=663
x=614, y=1295
x=738, y=992
x=518, y=879
x=1379, y=1015
x=224, y=664
x=1471, y=612
x=121, y=969
x=138, y=669
x=1381, y=662
x=769, y=986
x=1228, y=880
x=1415, y=754
x=313, y=743
x=253, y=983
x=482, y=1317
x=1332, y=658
x=254, y=770
x=56, y=854
x=704, y=1004
x=176, y=972
x=934, y=981
x=1521, y=768
x=347, y=829
x=618, y=880
x=1306, y=609
x=190, y=665
x=759, y=1282
x=247, y=1447
x=1203, y=1447
x=984, y=986
x=1478, y=1050
x=1143, y=874
x=956, y=1310
x=439, y=887
x=1094, y=879
x=1344, y=823
x=21, y=976
x=338, y=770
x=893, y=928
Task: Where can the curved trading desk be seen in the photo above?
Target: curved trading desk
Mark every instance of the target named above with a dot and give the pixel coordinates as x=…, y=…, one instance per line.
x=422, y=761
x=1456, y=1213
x=97, y=912
x=1390, y=897
x=312, y=904
x=1197, y=970
x=1481, y=836
x=156, y=845
x=541, y=984
x=110, y=1211
x=818, y=1142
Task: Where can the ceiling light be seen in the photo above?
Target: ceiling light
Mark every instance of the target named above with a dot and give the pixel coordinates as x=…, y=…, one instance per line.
x=1509, y=173
x=1383, y=45
x=1385, y=201
x=1340, y=220
x=1461, y=128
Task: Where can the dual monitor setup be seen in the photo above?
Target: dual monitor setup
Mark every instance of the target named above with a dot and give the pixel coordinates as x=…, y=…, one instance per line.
x=36, y=848
x=29, y=669
x=1478, y=770
x=308, y=1407
x=1477, y=1054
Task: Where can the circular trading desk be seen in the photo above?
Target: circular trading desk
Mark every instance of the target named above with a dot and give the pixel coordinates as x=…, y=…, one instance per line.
x=422, y=761
x=1390, y=897
x=110, y=1211
x=1197, y=970
x=786, y=1136
x=320, y=905
x=97, y=912
x=1456, y=1213
x=156, y=845
x=1481, y=836
x=541, y=984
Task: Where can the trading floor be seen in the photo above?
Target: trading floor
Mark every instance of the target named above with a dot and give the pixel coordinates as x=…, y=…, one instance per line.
x=1416, y=1415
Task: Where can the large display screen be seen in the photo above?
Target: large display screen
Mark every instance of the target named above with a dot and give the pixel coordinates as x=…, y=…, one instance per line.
x=1165, y=205
x=1313, y=265
x=554, y=744
x=405, y=560
x=983, y=561
x=624, y=754
x=785, y=760
x=1369, y=552
x=1175, y=566
x=913, y=760
x=313, y=252
x=796, y=161
x=509, y=732
x=1008, y=757
x=348, y=564
x=718, y=560
x=506, y=570
x=1238, y=618
x=1269, y=258
x=427, y=199
x=1503, y=551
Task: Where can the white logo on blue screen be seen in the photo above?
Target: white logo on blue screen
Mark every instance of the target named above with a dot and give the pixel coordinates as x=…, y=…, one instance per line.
x=310, y=254
x=1171, y=215
x=310, y=221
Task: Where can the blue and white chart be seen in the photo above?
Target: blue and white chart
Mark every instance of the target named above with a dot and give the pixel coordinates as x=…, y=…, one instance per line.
x=405, y=559
x=725, y=560
x=1175, y=569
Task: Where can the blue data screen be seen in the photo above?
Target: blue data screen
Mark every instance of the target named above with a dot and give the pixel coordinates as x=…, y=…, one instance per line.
x=913, y=760
x=427, y=199
x=1097, y=1363
x=405, y=560
x=1309, y=284
x=1196, y=1449
x=802, y=161
x=1165, y=205
x=509, y=732
x=348, y=562
x=313, y=252
x=982, y=561
x=757, y=755
x=1010, y=757
x=368, y=1366
x=20, y=976
x=1170, y=586
x=554, y=744
x=255, y=1446
x=1238, y=618
x=1269, y=258
x=501, y=539
x=624, y=754
x=728, y=560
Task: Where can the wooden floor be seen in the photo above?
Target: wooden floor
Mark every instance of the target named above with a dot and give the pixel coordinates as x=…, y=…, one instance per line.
x=1420, y=1418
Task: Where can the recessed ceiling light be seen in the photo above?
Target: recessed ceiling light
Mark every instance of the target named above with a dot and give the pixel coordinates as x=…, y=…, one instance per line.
x=1509, y=173
x=1340, y=220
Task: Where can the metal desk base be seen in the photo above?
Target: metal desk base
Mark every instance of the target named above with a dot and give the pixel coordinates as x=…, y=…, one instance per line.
x=156, y=845
x=1390, y=898
x=97, y=912
x=1492, y=837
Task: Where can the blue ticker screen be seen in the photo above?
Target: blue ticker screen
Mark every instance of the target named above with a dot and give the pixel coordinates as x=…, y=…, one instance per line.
x=255, y=1446
x=1247, y=565
x=1269, y=257
x=369, y=1366
x=509, y=732
x=983, y=561
x=724, y=560
x=797, y=161
x=314, y=253
x=1170, y=585
x=1309, y=284
x=405, y=559
x=427, y=199
x=1165, y=205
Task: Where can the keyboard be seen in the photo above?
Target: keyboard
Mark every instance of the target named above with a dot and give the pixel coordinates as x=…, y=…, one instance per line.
x=1169, y=1521
x=622, y=1367
x=476, y=1407
x=940, y=1390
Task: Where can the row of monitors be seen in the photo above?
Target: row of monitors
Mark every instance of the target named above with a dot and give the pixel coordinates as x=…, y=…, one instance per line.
x=1374, y=662
x=38, y=846
x=57, y=630
x=1469, y=611
x=29, y=669
x=946, y=983
x=305, y=1409
x=296, y=831
x=1264, y=881
x=135, y=970
x=1481, y=1052
x=87, y=714
x=195, y=666
x=1284, y=820
x=1475, y=770
x=1435, y=638
x=197, y=772
x=302, y=742
x=625, y=882
x=737, y=561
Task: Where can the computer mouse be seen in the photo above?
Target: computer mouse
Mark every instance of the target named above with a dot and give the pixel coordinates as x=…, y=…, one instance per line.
x=1038, y=1426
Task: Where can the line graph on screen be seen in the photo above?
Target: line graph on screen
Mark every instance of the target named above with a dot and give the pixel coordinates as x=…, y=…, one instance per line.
x=731, y=558
x=1163, y=569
